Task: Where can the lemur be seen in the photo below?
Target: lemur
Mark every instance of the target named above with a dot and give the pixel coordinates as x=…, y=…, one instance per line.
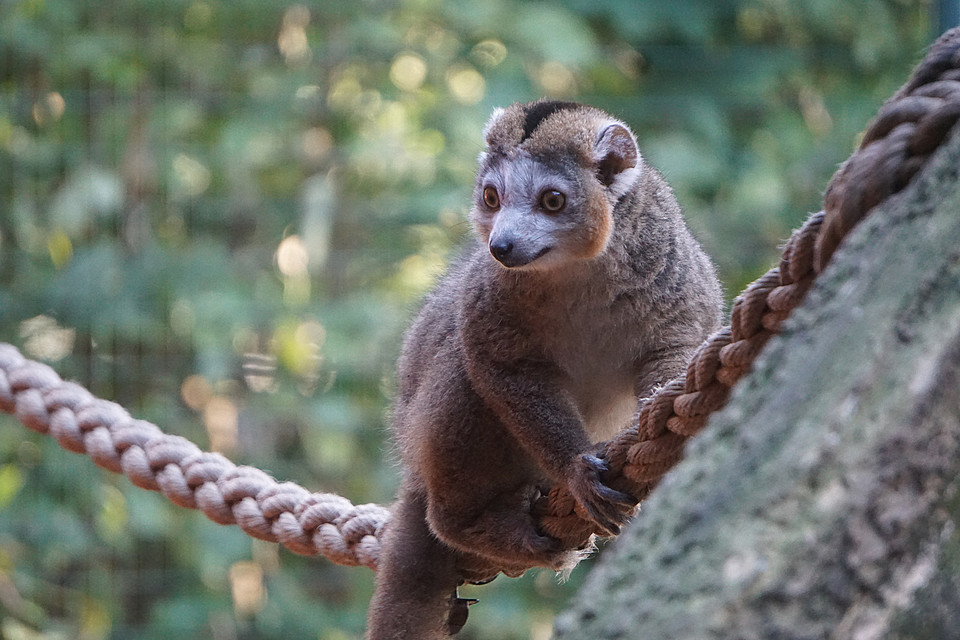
x=584, y=293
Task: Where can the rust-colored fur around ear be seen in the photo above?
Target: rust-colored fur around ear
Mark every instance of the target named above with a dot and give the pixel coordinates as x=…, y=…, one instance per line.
x=600, y=215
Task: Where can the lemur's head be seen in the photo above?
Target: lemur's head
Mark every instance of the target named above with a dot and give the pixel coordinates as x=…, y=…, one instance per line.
x=548, y=181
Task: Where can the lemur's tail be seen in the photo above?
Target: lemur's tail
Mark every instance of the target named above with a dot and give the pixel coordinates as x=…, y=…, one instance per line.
x=416, y=587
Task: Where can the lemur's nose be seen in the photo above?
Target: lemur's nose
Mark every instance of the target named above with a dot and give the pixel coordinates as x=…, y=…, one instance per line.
x=501, y=250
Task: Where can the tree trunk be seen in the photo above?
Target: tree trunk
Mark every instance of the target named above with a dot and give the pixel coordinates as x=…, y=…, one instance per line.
x=823, y=501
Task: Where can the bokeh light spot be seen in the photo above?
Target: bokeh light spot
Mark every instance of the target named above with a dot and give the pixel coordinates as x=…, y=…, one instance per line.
x=408, y=71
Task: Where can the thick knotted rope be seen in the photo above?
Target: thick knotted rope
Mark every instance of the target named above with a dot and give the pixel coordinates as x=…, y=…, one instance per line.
x=306, y=523
x=897, y=144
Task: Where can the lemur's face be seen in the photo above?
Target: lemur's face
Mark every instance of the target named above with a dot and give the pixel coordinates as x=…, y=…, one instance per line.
x=537, y=213
x=548, y=182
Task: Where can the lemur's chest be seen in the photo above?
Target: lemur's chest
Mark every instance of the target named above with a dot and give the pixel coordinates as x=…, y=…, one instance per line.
x=597, y=352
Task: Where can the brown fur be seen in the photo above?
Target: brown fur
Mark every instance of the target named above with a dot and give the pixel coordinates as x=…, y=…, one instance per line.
x=599, y=225
x=509, y=375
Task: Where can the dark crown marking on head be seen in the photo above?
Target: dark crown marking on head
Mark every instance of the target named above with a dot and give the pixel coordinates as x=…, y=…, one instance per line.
x=540, y=111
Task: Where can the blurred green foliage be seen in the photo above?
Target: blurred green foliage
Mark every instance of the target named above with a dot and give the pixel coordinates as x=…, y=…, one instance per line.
x=222, y=214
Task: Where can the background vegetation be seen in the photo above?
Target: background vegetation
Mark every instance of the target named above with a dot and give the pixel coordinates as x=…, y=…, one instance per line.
x=222, y=214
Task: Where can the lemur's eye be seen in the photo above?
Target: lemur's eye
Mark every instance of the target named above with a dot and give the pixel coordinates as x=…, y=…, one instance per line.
x=552, y=200
x=491, y=198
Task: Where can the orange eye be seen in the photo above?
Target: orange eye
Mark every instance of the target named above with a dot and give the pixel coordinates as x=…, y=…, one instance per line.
x=491, y=198
x=552, y=200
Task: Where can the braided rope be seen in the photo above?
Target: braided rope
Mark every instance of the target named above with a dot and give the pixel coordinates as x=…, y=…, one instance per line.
x=907, y=130
x=306, y=523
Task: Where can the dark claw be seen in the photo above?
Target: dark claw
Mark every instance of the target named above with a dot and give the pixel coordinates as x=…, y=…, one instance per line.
x=458, y=613
x=618, y=497
x=595, y=463
x=599, y=465
x=608, y=524
x=602, y=508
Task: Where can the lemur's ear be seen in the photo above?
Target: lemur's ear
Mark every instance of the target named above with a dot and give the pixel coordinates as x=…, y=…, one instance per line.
x=617, y=157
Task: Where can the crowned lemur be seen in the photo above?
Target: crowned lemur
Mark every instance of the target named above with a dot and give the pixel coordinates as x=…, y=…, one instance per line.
x=585, y=293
